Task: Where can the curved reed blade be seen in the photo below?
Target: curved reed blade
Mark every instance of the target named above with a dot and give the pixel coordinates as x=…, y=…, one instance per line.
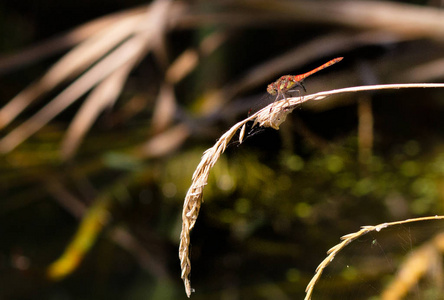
x=134, y=47
x=103, y=96
x=73, y=63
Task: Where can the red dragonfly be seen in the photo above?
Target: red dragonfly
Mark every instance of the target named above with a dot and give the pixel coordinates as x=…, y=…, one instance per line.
x=286, y=82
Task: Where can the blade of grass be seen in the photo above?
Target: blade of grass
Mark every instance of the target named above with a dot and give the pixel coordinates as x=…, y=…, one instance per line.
x=103, y=96
x=133, y=47
x=39, y=51
x=72, y=64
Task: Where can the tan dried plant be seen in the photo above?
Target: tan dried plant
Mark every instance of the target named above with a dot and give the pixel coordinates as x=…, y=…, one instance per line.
x=272, y=116
x=388, y=294
x=426, y=260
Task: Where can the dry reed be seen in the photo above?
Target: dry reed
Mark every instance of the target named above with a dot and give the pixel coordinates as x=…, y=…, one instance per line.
x=347, y=239
x=272, y=116
x=425, y=261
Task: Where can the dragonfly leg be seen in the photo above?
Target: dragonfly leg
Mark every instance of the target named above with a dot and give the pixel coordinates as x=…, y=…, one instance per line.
x=277, y=98
x=299, y=92
x=302, y=86
x=286, y=100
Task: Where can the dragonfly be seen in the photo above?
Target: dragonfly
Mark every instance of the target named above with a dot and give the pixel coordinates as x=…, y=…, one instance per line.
x=282, y=86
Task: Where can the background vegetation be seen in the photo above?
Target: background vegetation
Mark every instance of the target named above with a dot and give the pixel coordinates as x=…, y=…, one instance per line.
x=107, y=108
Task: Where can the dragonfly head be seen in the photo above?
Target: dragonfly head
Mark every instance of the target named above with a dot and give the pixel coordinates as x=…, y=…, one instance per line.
x=272, y=89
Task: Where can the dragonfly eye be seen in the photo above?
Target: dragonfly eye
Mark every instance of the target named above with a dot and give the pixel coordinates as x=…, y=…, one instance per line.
x=271, y=89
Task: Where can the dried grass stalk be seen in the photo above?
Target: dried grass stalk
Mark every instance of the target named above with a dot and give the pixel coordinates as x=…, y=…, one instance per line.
x=347, y=239
x=272, y=116
x=425, y=260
